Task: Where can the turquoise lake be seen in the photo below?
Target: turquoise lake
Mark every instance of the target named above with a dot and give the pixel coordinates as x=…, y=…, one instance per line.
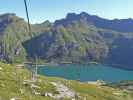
x=86, y=72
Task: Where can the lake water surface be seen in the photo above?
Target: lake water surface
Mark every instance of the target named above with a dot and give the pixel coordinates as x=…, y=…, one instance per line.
x=86, y=72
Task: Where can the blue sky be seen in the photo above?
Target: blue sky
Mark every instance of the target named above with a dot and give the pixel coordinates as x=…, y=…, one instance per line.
x=41, y=10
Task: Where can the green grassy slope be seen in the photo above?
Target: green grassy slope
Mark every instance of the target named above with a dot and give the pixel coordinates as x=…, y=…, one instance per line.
x=12, y=86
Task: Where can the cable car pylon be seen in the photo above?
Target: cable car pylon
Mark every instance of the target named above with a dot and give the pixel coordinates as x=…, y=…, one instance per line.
x=34, y=68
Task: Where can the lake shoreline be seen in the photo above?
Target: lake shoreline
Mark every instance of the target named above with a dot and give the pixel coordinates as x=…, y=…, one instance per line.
x=90, y=63
x=87, y=72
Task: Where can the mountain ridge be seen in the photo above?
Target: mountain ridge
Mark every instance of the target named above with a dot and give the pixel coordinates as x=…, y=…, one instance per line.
x=78, y=38
x=101, y=22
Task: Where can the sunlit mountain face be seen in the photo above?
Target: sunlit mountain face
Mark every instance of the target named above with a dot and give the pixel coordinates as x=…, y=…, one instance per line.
x=78, y=38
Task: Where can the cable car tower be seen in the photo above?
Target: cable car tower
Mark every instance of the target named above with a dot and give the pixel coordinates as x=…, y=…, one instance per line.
x=32, y=65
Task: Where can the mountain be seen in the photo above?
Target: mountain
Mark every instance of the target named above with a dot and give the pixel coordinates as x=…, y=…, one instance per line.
x=76, y=43
x=13, y=32
x=81, y=38
x=78, y=38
